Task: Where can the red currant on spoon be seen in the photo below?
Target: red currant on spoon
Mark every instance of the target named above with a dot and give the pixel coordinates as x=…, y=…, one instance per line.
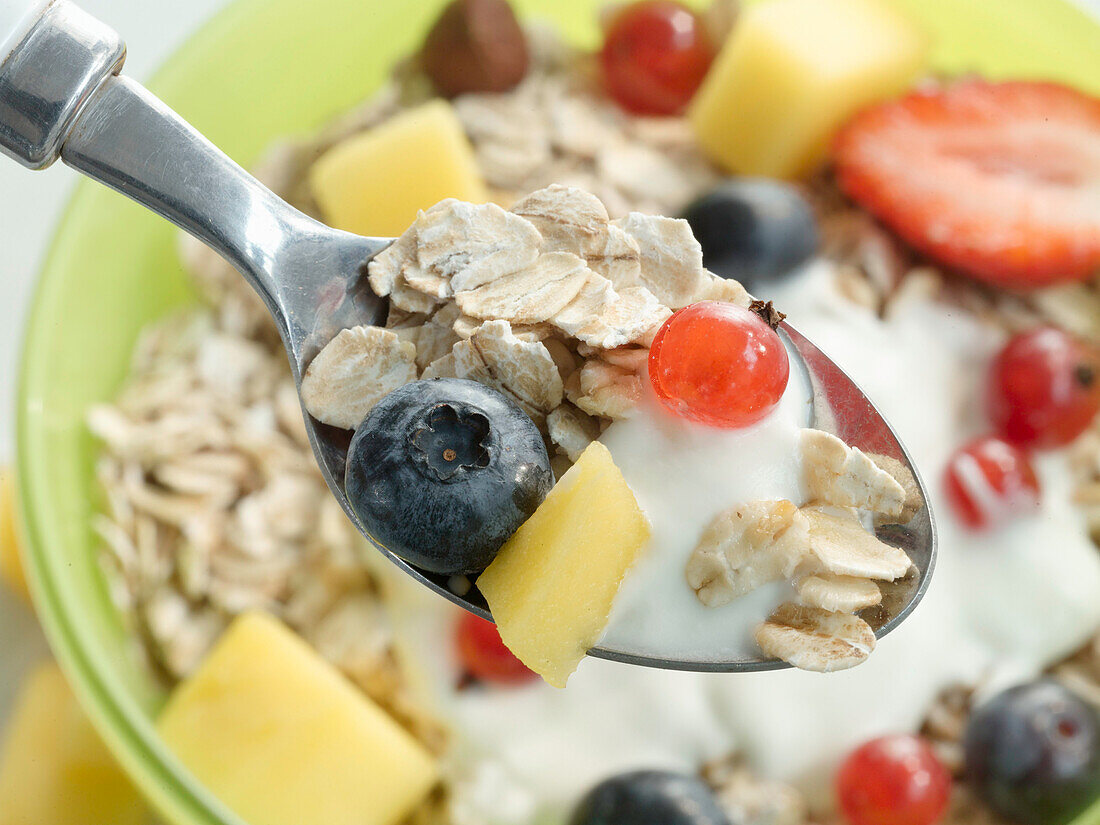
x=718, y=364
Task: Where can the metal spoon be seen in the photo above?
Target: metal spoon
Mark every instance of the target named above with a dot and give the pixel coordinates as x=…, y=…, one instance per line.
x=61, y=97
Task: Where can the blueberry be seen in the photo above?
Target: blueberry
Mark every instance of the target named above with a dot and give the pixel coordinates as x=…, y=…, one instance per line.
x=650, y=798
x=753, y=230
x=443, y=472
x=1033, y=753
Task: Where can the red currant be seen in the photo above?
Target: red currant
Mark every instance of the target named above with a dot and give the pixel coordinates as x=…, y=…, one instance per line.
x=655, y=55
x=893, y=780
x=483, y=654
x=989, y=481
x=718, y=364
x=1044, y=388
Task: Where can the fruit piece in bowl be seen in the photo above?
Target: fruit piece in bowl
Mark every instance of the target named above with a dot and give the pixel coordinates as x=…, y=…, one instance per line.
x=54, y=768
x=654, y=56
x=792, y=72
x=996, y=180
x=11, y=565
x=754, y=230
x=365, y=185
x=1033, y=752
x=282, y=737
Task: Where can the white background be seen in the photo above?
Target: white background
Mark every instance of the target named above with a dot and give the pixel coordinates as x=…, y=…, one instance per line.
x=30, y=203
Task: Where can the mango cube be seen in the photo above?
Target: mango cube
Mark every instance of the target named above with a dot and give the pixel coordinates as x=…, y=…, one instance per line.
x=282, y=738
x=11, y=566
x=54, y=768
x=792, y=72
x=551, y=586
x=374, y=183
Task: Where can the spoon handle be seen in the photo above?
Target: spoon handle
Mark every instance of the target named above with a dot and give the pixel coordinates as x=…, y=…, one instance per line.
x=130, y=141
x=61, y=96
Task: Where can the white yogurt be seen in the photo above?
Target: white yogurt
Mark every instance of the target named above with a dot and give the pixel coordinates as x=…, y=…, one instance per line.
x=684, y=474
x=1000, y=607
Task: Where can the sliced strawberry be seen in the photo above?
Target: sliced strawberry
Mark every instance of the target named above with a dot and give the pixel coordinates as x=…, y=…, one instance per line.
x=997, y=180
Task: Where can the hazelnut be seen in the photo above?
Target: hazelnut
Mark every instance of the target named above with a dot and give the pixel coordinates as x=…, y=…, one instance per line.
x=475, y=46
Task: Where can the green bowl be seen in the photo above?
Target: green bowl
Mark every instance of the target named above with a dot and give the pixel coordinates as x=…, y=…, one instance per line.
x=264, y=69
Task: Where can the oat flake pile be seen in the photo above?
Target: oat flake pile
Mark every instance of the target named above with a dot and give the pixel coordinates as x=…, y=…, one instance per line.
x=213, y=505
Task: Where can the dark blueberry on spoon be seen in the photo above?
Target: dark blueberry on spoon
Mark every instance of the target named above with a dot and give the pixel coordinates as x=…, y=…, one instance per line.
x=443, y=472
x=1033, y=753
x=650, y=798
x=754, y=230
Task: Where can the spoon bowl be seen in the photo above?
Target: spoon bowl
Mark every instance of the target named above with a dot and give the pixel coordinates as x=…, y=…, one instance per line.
x=61, y=97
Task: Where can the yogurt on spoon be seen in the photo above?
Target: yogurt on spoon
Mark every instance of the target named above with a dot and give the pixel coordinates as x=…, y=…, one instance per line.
x=683, y=475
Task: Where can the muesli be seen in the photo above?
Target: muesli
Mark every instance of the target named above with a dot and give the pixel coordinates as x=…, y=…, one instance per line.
x=214, y=506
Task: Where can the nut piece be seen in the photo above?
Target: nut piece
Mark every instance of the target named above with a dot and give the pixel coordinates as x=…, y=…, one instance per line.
x=604, y=389
x=569, y=219
x=522, y=370
x=843, y=594
x=572, y=430
x=814, y=639
x=718, y=288
x=475, y=46
x=845, y=476
x=635, y=359
x=672, y=260
x=353, y=372
x=531, y=295
x=745, y=547
x=844, y=546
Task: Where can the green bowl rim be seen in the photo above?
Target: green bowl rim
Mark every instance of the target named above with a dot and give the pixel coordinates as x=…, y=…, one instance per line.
x=170, y=789
x=166, y=784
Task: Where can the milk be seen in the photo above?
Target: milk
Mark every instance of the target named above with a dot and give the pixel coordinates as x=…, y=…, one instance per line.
x=1001, y=606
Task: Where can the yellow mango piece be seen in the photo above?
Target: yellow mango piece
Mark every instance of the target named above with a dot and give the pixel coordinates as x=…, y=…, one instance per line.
x=54, y=768
x=375, y=182
x=792, y=72
x=282, y=738
x=11, y=566
x=551, y=586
